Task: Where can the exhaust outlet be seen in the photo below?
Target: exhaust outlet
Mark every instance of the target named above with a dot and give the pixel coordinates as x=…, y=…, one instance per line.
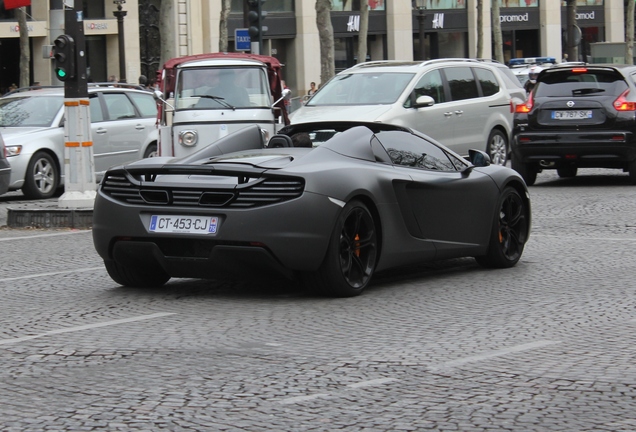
x=546, y=164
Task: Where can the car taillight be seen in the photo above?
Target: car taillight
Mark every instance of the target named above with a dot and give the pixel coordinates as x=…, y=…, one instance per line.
x=526, y=107
x=579, y=70
x=622, y=104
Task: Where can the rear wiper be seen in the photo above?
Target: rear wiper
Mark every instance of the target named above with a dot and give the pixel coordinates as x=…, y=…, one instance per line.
x=587, y=90
x=219, y=99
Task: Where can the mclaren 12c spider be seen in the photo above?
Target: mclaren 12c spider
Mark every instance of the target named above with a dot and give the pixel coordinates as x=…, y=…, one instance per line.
x=355, y=199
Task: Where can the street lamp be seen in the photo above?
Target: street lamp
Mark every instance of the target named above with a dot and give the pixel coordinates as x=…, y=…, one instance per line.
x=420, y=6
x=120, y=14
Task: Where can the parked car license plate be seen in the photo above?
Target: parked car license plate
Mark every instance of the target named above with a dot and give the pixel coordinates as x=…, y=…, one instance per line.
x=572, y=115
x=184, y=224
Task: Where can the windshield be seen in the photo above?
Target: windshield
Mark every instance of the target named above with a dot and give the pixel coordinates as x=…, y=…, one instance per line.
x=568, y=83
x=362, y=89
x=29, y=111
x=222, y=88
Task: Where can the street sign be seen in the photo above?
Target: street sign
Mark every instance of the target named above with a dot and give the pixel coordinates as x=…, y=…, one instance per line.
x=242, y=40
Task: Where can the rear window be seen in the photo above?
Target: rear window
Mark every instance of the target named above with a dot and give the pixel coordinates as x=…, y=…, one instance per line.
x=567, y=83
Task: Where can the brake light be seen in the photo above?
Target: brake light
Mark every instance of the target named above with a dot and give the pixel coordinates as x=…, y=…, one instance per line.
x=526, y=107
x=622, y=104
x=579, y=70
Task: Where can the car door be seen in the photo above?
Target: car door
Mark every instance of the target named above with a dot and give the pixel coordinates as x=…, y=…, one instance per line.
x=437, y=120
x=467, y=109
x=453, y=209
x=99, y=136
x=124, y=129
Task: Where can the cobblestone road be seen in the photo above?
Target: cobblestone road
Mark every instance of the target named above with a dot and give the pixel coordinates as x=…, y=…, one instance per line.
x=546, y=345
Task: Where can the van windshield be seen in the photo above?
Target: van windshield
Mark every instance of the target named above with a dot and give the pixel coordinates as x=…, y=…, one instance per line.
x=222, y=88
x=362, y=89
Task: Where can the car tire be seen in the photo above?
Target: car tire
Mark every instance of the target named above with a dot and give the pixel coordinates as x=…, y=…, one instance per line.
x=527, y=171
x=42, y=177
x=151, y=151
x=509, y=231
x=133, y=277
x=497, y=147
x=567, y=171
x=351, y=255
x=632, y=172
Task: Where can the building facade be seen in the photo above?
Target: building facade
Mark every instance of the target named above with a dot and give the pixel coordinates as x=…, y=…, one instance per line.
x=397, y=30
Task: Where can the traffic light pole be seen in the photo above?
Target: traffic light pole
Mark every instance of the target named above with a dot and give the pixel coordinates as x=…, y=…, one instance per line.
x=79, y=166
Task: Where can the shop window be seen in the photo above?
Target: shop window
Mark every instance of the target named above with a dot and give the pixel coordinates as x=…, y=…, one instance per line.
x=354, y=5
x=269, y=6
x=518, y=3
x=446, y=4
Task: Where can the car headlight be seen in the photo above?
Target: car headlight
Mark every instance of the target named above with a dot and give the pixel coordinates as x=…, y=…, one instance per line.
x=188, y=138
x=13, y=150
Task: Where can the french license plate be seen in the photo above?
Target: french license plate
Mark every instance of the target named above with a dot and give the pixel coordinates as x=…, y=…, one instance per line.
x=184, y=224
x=572, y=115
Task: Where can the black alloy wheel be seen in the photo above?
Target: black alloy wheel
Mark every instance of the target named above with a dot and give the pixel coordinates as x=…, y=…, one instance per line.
x=509, y=231
x=351, y=256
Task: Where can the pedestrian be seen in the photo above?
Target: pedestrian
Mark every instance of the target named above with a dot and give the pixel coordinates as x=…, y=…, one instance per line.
x=287, y=101
x=143, y=82
x=532, y=80
x=312, y=88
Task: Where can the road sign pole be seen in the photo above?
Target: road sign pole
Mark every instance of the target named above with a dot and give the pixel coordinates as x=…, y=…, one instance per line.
x=79, y=166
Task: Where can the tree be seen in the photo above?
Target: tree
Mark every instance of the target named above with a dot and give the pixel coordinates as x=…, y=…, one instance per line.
x=480, y=29
x=226, y=5
x=629, y=33
x=25, y=56
x=364, y=29
x=573, y=51
x=167, y=30
x=496, y=31
x=325, y=35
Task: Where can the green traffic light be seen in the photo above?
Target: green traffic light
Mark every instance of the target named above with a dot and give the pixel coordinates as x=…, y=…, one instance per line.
x=61, y=74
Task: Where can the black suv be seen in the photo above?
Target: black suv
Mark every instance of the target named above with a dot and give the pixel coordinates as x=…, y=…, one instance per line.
x=581, y=116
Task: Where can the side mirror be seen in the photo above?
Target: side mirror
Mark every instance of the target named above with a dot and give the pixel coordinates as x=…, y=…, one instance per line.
x=424, y=101
x=478, y=158
x=287, y=95
x=159, y=97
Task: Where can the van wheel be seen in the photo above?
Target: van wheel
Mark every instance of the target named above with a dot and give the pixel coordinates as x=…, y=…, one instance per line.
x=497, y=147
x=42, y=177
x=632, y=172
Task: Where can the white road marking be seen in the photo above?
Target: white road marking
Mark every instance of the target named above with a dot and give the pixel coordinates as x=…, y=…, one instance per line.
x=86, y=269
x=45, y=235
x=297, y=399
x=585, y=238
x=86, y=327
x=493, y=354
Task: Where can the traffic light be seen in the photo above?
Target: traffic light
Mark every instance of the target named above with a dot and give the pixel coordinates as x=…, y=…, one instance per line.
x=255, y=17
x=64, y=54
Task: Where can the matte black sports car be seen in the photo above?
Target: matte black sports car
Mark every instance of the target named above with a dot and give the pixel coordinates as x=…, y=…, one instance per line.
x=365, y=197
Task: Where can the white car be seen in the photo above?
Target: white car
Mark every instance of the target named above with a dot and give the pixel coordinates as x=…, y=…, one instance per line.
x=522, y=67
x=462, y=103
x=32, y=123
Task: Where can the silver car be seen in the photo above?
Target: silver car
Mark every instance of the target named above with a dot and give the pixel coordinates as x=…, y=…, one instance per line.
x=462, y=103
x=5, y=168
x=32, y=123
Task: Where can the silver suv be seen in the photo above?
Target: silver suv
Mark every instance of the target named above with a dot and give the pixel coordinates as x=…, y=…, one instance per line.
x=462, y=103
x=32, y=124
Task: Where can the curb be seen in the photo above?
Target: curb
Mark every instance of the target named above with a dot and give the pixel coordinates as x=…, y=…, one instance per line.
x=53, y=217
